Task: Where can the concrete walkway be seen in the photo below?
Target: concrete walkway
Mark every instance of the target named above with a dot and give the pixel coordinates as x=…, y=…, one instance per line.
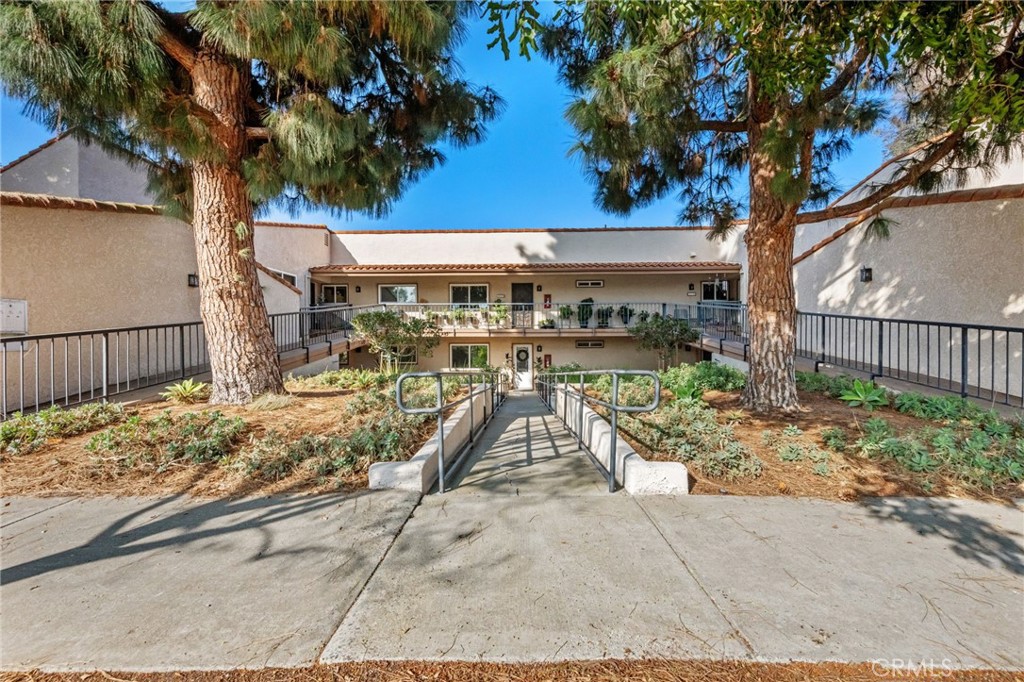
x=527, y=559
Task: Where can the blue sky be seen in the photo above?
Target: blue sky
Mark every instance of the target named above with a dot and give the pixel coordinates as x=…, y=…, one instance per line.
x=520, y=176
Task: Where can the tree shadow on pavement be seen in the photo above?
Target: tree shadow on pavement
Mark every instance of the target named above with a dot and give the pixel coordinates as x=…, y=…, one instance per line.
x=970, y=535
x=180, y=522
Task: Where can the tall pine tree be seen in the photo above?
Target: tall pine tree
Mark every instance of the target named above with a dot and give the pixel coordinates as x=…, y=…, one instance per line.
x=239, y=105
x=717, y=99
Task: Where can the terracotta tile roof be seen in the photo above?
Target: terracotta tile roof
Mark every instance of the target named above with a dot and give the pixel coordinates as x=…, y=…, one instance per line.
x=277, y=278
x=962, y=196
x=73, y=203
x=27, y=155
x=644, y=266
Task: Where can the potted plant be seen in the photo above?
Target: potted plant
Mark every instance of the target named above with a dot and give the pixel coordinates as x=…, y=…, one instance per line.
x=604, y=316
x=565, y=313
x=626, y=314
x=499, y=313
x=584, y=311
x=643, y=315
x=547, y=324
x=458, y=316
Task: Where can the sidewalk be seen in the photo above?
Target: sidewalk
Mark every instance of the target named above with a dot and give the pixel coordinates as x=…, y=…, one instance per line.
x=527, y=559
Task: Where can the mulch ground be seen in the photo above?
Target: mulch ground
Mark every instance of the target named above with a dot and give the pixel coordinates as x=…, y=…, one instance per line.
x=583, y=671
x=851, y=477
x=64, y=467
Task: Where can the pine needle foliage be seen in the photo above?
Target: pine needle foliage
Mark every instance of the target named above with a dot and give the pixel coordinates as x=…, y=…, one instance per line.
x=348, y=103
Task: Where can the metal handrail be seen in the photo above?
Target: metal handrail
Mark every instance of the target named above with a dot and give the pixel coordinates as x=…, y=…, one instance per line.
x=496, y=383
x=548, y=386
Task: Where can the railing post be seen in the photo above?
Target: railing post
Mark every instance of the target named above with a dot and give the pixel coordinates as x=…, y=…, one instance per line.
x=822, y=340
x=615, y=433
x=579, y=423
x=470, y=408
x=963, y=361
x=881, y=349
x=181, y=348
x=104, y=360
x=440, y=437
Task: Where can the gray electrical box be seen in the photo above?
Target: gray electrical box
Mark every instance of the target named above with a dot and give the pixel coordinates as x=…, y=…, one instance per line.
x=14, y=319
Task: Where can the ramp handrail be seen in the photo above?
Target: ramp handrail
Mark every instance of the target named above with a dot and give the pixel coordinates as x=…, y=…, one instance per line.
x=493, y=380
x=550, y=383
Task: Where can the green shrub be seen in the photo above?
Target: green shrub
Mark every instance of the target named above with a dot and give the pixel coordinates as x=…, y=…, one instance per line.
x=690, y=432
x=707, y=376
x=816, y=382
x=194, y=436
x=274, y=458
x=23, y=433
x=186, y=392
x=792, y=431
x=834, y=438
x=865, y=394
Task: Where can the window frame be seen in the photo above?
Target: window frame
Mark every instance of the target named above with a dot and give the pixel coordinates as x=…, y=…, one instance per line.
x=294, y=279
x=451, y=354
x=333, y=287
x=590, y=284
x=589, y=344
x=414, y=287
x=469, y=286
x=713, y=282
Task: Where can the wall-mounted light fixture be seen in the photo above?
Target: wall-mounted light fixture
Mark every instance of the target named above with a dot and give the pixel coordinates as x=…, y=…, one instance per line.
x=865, y=274
x=540, y=288
x=359, y=290
x=193, y=280
x=691, y=286
x=540, y=348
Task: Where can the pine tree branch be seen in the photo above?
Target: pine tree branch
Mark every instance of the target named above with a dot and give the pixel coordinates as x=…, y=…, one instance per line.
x=722, y=126
x=257, y=133
x=841, y=81
x=907, y=179
x=177, y=50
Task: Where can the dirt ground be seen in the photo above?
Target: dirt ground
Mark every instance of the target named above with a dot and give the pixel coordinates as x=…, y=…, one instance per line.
x=65, y=467
x=851, y=477
x=583, y=671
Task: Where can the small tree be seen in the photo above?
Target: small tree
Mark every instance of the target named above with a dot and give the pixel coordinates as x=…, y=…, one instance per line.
x=394, y=338
x=233, y=106
x=665, y=336
x=696, y=98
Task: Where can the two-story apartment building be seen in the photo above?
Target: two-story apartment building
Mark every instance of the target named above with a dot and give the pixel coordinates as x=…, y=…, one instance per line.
x=82, y=247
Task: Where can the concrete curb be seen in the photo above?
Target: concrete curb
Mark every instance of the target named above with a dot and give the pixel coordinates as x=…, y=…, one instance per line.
x=419, y=473
x=636, y=475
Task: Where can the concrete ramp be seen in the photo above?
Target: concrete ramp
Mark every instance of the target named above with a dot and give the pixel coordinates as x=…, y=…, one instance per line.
x=527, y=450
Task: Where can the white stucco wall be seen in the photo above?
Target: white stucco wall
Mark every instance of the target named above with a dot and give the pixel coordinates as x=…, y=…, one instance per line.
x=293, y=249
x=529, y=246
x=69, y=168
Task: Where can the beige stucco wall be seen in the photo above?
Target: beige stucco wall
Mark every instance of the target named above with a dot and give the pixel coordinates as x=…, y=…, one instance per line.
x=618, y=353
x=293, y=250
x=618, y=288
x=954, y=262
x=278, y=297
x=89, y=270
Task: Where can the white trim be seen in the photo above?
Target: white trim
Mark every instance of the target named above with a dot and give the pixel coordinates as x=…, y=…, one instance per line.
x=451, y=358
x=590, y=284
x=285, y=275
x=590, y=343
x=383, y=286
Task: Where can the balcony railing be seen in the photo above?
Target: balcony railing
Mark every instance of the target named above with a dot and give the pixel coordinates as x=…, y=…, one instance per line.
x=534, y=316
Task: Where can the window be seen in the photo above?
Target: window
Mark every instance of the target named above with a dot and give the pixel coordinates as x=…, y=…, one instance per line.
x=470, y=355
x=469, y=294
x=717, y=290
x=397, y=293
x=286, y=276
x=343, y=359
x=589, y=283
x=334, y=293
x=590, y=343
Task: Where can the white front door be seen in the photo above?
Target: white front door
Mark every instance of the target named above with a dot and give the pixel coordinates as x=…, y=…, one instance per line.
x=522, y=357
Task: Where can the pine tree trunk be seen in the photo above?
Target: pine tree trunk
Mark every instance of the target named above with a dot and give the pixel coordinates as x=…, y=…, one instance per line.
x=240, y=344
x=771, y=298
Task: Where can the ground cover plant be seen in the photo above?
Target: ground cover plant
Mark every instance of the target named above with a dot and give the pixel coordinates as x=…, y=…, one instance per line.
x=322, y=436
x=852, y=438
